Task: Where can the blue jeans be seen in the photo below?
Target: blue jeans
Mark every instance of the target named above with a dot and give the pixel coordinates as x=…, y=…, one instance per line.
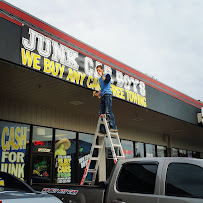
x=105, y=108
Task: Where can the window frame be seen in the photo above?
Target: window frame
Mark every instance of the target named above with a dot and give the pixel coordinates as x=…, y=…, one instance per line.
x=165, y=184
x=139, y=163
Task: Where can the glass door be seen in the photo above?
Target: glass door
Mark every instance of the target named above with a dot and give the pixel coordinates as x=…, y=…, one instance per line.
x=41, y=168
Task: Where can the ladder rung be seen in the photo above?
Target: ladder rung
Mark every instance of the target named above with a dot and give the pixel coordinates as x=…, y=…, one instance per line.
x=110, y=135
x=120, y=157
x=98, y=146
x=95, y=158
x=92, y=171
x=113, y=134
x=100, y=135
x=117, y=145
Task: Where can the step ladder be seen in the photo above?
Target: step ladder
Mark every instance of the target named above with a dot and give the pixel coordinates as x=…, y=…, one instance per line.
x=116, y=149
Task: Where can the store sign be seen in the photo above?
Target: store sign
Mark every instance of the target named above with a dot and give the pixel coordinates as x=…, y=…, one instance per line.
x=13, y=148
x=50, y=57
x=83, y=161
x=40, y=143
x=63, y=165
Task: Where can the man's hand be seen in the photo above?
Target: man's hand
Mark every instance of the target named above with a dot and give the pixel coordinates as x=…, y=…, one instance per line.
x=97, y=94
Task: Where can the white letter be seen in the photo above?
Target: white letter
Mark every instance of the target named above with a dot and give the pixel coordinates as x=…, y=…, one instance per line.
x=4, y=156
x=108, y=70
x=142, y=89
x=119, y=78
x=30, y=45
x=47, y=51
x=135, y=84
x=71, y=56
x=12, y=157
x=96, y=75
x=21, y=171
x=88, y=66
x=127, y=82
x=58, y=52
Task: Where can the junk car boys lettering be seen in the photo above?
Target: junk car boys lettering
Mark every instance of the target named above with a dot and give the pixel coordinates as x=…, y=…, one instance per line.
x=48, y=56
x=61, y=53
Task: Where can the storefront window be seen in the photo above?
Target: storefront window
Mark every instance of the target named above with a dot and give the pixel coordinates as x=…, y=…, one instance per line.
x=196, y=154
x=161, y=151
x=174, y=152
x=41, y=169
x=14, y=142
x=65, y=157
x=139, y=149
x=150, y=150
x=182, y=153
x=127, y=148
x=108, y=148
x=42, y=139
x=85, y=144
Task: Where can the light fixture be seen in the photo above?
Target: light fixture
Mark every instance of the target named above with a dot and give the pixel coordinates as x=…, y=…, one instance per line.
x=41, y=131
x=76, y=103
x=176, y=130
x=138, y=119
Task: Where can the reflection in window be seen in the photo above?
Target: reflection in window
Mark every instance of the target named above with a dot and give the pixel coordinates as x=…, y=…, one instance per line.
x=137, y=178
x=14, y=148
x=65, y=156
x=189, y=154
x=150, y=150
x=41, y=169
x=182, y=153
x=174, y=152
x=42, y=139
x=127, y=148
x=85, y=144
x=161, y=151
x=139, y=149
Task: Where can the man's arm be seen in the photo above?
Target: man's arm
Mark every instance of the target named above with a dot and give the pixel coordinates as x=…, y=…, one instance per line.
x=106, y=79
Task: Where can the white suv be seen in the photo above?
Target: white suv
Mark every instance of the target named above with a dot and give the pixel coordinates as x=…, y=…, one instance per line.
x=13, y=190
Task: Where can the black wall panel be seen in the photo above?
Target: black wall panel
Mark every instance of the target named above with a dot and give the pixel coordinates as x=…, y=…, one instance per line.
x=10, y=38
x=166, y=104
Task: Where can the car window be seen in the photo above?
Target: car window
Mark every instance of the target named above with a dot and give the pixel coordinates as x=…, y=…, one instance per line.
x=137, y=178
x=184, y=180
x=9, y=183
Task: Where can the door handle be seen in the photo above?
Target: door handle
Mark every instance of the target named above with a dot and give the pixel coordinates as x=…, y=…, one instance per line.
x=117, y=201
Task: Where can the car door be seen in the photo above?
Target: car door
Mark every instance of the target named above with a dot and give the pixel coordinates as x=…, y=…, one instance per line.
x=182, y=181
x=136, y=182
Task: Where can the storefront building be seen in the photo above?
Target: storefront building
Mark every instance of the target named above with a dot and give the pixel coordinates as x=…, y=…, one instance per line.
x=48, y=115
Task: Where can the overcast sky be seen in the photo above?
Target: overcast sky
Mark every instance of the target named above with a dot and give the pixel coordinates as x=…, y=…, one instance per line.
x=161, y=38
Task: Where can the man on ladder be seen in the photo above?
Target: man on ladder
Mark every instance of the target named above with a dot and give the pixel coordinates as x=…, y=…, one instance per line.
x=105, y=130
x=106, y=99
